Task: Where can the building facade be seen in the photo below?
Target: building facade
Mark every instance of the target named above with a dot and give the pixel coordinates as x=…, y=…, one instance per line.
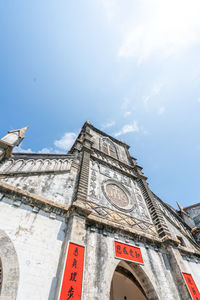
x=85, y=225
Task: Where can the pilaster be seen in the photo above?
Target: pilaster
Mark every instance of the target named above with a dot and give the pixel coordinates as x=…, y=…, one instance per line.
x=177, y=267
x=154, y=210
x=82, y=186
x=76, y=233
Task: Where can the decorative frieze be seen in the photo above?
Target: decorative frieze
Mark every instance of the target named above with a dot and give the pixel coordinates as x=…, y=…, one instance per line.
x=118, y=218
x=13, y=167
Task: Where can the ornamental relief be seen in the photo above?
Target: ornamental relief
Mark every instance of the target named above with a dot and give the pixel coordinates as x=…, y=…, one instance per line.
x=116, y=191
x=118, y=195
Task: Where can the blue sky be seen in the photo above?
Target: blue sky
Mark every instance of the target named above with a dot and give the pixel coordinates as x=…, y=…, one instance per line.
x=131, y=67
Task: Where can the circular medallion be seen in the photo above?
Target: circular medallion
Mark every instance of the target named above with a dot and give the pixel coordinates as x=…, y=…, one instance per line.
x=117, y=194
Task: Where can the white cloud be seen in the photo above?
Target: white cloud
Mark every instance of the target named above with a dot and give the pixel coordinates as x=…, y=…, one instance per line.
x=19, y=149
x=146, y=100
x=128, y=128
x=127, y=113
x=157, y=88
x=127, y=107
x=66, y=141
x=154, y=91
x=46, y=150
x=159, y=28
x=64, y=144
x=125, y=103
x=108, y=125
x=111, y=8
x=161, y=110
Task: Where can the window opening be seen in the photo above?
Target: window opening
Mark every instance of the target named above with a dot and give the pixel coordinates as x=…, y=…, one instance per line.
x=180, y=239
x=105, y=147
x=108, y=148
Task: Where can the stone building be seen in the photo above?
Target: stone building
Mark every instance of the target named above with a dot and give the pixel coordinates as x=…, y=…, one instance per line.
x=85, y=225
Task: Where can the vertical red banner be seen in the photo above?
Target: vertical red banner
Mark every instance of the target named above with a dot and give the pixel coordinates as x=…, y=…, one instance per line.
x=191, y=286
x=73, y=273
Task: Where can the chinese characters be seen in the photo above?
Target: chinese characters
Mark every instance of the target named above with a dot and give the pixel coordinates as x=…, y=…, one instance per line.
x=191, y=286
x=128, y=252
x=72, y=279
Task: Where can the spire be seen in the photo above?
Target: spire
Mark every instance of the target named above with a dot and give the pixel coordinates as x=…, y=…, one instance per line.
x=181, y=209
x=10, y=140
x=15, y=137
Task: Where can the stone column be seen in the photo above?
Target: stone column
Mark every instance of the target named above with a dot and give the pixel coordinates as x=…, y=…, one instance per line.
x=177, y=267
x=75, y=232
x=76, y=223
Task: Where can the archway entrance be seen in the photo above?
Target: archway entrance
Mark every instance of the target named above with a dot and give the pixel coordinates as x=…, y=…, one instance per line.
x=9, y=268
x=130, y=282
x=125, y=286
x=1, y=275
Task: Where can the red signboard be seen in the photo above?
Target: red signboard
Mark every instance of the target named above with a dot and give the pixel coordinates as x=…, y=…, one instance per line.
x=191, y=286
x=128, y=252
x=73, y=273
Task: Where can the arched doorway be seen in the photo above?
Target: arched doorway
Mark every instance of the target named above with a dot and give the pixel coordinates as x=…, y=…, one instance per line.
x=130, y=282
x=1, y=275
x=9, y=268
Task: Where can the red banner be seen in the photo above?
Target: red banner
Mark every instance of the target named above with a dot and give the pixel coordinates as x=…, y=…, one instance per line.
x=191, y=286
x=73, y=273
x=128, y=252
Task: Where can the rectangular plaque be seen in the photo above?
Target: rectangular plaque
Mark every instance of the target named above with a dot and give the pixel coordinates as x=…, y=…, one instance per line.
x=128, y=252
x=191, y=286
x=73, y=273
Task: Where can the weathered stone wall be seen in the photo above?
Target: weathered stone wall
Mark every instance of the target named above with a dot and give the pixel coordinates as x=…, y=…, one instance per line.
x=177, y=233
x=100, y=173
x=53, y=199
x=120, y=149
x=37, y=240
x=50, y=178
x=192, y=266
x=100, y=264
x=58, y=188
x=194, y=213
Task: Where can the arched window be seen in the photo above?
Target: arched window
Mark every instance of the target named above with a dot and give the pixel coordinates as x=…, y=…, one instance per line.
x=108, y=147
x=105, y=147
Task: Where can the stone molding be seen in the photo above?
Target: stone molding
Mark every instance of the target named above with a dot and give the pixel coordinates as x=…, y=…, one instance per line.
x=12, y=167
x=114, y=163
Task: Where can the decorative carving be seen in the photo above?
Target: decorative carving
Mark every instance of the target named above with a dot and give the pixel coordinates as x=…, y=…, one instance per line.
x=113, y=174
x=117, y=195
x=120, y=218
x=93, y=183
x=36, y=165
x=112, y=162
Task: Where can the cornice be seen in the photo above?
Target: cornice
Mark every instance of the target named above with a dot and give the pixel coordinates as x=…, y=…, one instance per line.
x=172, y=211
x=32, y=173
x=116, y=164
x=19, y=155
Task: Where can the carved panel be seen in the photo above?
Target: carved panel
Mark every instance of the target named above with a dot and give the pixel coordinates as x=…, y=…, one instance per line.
x=118, y=195
x=34, y=165
x=110, y=188
x=120, y=218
